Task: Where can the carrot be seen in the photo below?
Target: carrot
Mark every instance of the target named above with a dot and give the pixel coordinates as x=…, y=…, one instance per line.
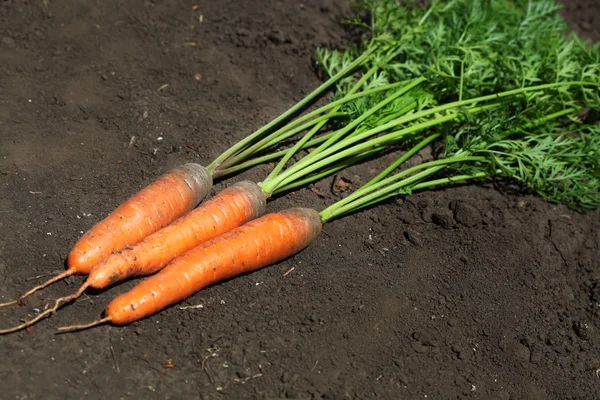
x=238, y=158
x=256, y=244
x=232, y=207
x=157, y=205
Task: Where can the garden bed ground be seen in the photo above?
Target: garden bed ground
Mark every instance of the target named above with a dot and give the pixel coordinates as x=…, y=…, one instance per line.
x=468, y=292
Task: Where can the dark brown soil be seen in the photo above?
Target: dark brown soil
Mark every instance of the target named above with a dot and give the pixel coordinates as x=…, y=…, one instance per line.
x=468, y=292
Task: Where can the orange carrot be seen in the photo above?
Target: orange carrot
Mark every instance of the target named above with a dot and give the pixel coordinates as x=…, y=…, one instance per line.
x=155, y=206
x=232, y=207
x=256, y=244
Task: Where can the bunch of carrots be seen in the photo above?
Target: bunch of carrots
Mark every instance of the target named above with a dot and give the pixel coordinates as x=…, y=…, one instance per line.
x=164, y=220
x=503, y=96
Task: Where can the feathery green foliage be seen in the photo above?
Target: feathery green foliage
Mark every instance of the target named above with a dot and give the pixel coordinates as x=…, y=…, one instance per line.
x=466, y=49
x=488, y=78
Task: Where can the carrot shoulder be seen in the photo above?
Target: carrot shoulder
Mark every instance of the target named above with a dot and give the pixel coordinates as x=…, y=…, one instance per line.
x=251, y=246
x=157, y=205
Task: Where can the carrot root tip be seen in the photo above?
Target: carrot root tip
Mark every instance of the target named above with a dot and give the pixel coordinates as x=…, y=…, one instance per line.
x=80, y=327
x=8, y=303
x=47, y=313
x=50, y=281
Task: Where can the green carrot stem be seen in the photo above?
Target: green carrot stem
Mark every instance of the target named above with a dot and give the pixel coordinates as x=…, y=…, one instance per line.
x=311, y=143
x=419, y=186
x=317, y=127
x=277, y=137
x=552, y=116
x=269, y=186
x=462, y=157
x=335, y=138
x=451, y=179
x=330, y=171
x=285, y=178
x=386, y=188
x=402, y=159
x=308, y=161
x=272, y=156
x=387, y=185
x=286, y=131
x=291, y=111
x=330, y=212
x=266, y=158
x=346, y=99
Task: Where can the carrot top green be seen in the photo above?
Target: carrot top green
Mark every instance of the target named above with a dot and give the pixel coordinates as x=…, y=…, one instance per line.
x=419, y=74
